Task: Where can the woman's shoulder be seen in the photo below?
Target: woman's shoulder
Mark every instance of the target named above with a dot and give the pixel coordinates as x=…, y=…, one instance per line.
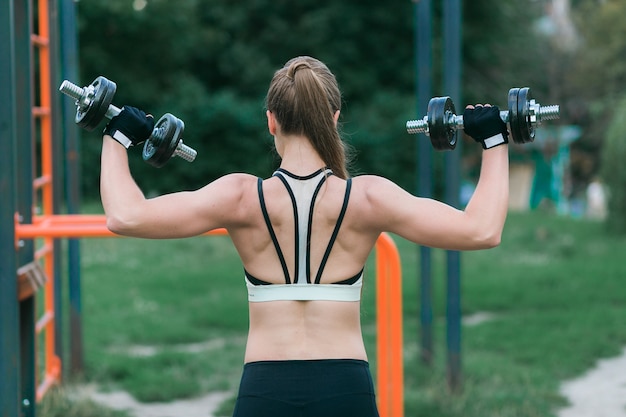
x=376, y=189
x=230, y=186
x=367, y=181
x=237, y=178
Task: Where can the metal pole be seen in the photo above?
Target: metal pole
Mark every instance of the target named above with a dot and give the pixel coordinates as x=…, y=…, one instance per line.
x=69, y=69
x=423, y=33
x=57, y=169
x=9, y=319
x=24, y=194
x=452, y=81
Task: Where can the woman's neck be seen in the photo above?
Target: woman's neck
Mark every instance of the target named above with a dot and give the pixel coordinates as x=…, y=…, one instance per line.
x=299, y=157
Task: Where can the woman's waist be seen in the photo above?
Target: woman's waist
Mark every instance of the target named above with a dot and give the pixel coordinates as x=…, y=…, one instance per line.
x=289, y=343
x=255, y=354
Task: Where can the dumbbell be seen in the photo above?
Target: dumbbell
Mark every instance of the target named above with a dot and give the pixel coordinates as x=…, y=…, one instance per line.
x=524, y=116
x=93, y=103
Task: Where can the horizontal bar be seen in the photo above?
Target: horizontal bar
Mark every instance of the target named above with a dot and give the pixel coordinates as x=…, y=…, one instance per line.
x=70, y=219
x=44, y=321
x=49, y=380
x=39, y=40
x=39, y=182
x=41, y=111
x=72, y=226
x=43, y=251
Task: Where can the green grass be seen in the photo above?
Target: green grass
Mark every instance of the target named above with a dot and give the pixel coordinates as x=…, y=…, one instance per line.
x=59, y=403
x=163, y=294
x=555, y=287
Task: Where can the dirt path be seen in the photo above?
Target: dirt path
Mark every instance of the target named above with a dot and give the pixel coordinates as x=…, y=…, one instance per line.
x=120, y=400
x=600, y=392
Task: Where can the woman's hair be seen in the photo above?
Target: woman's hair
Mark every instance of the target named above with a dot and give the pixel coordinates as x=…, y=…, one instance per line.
x=304, y=96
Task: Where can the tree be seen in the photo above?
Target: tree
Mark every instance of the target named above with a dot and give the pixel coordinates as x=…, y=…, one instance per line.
x=596, y=79
x=210, y=62
x=614, y=170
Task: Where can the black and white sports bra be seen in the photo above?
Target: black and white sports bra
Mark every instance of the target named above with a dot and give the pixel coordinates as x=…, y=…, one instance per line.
x=303, y=192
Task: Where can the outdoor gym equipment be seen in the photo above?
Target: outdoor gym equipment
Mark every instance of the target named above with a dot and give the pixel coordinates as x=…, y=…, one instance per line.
x=524, y=116
x=93, y=103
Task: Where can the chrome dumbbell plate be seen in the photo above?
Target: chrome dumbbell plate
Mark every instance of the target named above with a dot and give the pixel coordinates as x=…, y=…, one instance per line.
x=94, y=102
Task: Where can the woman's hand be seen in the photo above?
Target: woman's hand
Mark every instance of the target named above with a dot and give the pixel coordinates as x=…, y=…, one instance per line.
x=484, y=125
x=131, y=127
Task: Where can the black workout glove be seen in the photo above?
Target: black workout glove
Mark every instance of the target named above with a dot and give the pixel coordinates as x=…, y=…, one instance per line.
x=484, y=125
x=130, y=127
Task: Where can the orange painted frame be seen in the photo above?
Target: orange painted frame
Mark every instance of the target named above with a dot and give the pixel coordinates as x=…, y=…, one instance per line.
x=389, y=327
x=47, y=322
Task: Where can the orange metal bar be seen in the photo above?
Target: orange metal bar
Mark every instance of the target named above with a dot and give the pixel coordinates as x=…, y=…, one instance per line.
x=384, y=390
x=71, y=219
x=45, y=104
x=46, y=384
x=39, y=40
x=390, y=389
x=395, y=316
x=72, y=226
x=43, y=251
x=41, y=111
x=44, y=320
x=47, y=324
x=41, y=182
x=52, y=375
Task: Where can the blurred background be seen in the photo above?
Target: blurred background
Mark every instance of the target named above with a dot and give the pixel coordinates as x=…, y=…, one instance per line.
x=165, y=321
x=210, y=62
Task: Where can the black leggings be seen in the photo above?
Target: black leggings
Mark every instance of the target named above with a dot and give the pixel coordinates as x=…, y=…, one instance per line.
x=306, y=388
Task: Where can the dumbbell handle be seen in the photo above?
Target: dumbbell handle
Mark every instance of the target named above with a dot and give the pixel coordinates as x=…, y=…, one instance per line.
x=538, y=114
x=78, y=93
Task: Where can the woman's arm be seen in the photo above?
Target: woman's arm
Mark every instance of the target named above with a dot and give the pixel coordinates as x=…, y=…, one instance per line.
x=174, y=215
x=432, y=223
x=489, y=204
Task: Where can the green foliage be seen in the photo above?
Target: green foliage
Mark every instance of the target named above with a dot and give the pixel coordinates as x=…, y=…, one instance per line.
x=594, y=80
x=210, y=63
x=597, y=73
x=614, y=170
x=510, y=53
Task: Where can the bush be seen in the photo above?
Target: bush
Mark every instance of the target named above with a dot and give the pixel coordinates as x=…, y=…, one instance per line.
x=614, y=170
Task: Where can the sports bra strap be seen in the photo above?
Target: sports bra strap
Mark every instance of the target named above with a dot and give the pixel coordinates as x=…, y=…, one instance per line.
x=342, y=213
x=270, y=228
x=302, y=243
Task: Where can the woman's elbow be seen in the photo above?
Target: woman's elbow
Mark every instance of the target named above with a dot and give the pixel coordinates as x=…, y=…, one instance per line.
x=119, y=226
x=493, y=241
x=485, y=239
x=486, y=235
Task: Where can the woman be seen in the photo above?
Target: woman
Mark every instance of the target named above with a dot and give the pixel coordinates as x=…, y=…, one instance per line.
x=303, y=236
